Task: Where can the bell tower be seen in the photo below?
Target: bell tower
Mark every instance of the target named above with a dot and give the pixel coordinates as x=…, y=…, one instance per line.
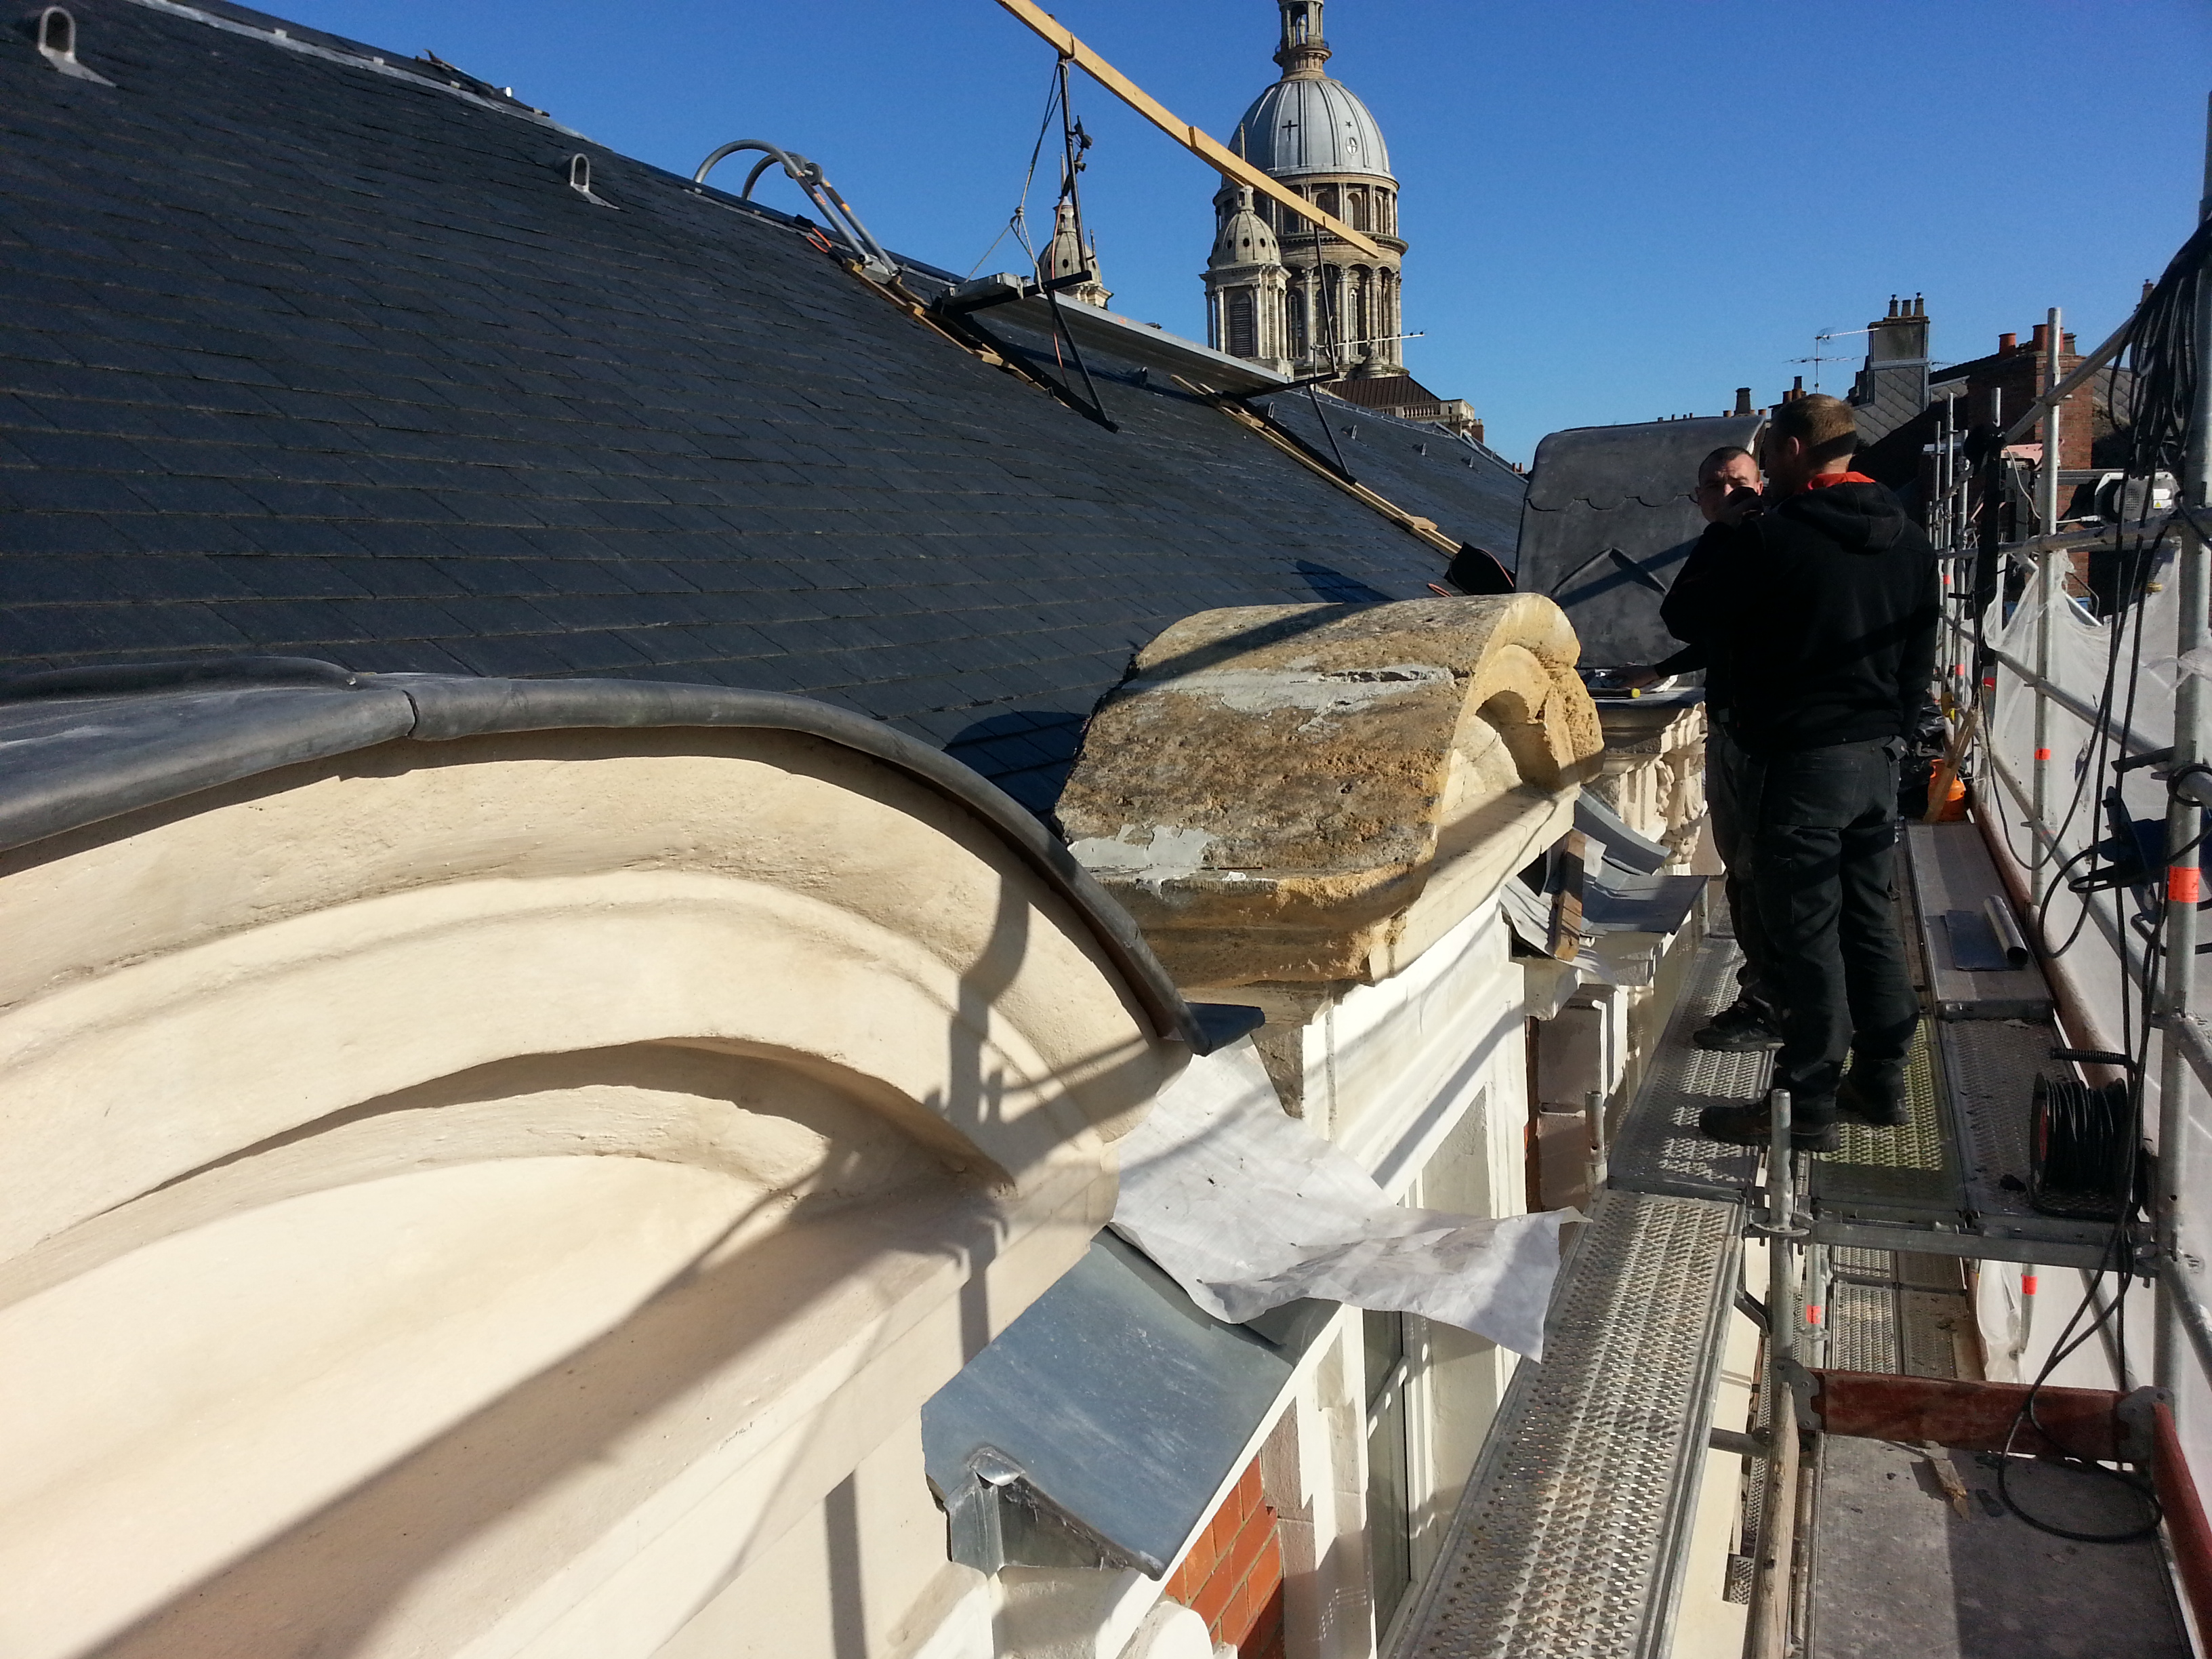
x=1303, y=50
x=1340, y=311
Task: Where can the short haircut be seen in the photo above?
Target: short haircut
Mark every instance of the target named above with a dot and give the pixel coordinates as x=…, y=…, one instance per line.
x=1825, y=425
x=1719, y=458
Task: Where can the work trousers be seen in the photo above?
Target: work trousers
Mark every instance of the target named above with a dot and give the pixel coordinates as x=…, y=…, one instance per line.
x=1726, y=781
x=1823, y=853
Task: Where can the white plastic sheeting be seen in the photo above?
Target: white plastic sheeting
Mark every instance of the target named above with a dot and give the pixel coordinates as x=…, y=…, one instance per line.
x=2079, y=646
x=2074, y=801
x=1247, y=1208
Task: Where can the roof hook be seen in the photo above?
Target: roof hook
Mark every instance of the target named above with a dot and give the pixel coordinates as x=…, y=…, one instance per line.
x=58, y=45
x=844, y=224
x=580, y=181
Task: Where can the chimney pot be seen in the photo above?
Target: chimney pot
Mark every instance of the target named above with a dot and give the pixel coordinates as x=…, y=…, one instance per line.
x=1919, y=305
x=2066, y=345
x=1743, y=400
x=2042, y=339
x=2006, y=345
x=2148, y=286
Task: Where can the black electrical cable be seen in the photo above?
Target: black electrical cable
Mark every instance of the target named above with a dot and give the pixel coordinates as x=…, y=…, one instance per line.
x=2160, y=347
x=1326, y=343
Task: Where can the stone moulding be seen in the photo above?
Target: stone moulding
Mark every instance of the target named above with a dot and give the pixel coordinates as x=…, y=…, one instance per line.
x=1312, y=793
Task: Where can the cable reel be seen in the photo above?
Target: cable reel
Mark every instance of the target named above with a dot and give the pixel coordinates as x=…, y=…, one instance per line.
x=2080, y=1162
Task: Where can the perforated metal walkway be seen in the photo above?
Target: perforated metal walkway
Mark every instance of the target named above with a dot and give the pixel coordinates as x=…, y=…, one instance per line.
x=1952, y=1180
x=1568, y=1544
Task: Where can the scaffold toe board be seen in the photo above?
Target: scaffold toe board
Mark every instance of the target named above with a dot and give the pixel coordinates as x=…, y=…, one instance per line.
x=1570, y=1541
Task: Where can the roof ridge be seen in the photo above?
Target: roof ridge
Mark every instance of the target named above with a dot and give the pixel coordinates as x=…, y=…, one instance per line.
x=375, y=63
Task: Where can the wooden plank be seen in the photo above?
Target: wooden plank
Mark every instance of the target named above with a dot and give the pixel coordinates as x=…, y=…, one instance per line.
x=1216, y=154
x=1970, y=1416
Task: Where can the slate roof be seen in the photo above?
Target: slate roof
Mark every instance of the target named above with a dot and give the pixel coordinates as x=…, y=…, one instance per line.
x=300, y=354
x=1609, y=521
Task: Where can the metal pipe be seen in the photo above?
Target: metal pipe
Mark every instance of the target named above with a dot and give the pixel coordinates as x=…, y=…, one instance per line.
x=2183, y=875
x=2047, y=592
x=1771, y=1586
x=2047, y=475
x=2081, y=707
x=1781, y=1205
x=2072, y=384
x=1817, y=1281
x=2027, y=1288
x=2184, y=887
x=2190, y=1313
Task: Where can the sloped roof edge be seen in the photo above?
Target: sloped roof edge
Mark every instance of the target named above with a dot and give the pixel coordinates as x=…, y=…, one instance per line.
x=85, y=751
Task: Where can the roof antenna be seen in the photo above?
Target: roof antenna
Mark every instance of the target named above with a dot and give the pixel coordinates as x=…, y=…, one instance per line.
x=58, y=45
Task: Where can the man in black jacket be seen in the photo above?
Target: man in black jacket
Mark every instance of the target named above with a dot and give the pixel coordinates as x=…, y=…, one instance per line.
x=1693, y=610
x=1827, y=620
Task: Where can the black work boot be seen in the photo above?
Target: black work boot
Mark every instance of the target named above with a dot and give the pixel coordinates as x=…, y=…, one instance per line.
x=1742, y=1027
x=1873, y=1096
x=1812, y=1124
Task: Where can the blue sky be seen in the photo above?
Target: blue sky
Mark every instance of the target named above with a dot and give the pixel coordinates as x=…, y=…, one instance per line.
x=1618, y=209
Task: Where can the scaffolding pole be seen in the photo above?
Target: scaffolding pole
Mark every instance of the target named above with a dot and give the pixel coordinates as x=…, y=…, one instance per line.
x=2183, y=875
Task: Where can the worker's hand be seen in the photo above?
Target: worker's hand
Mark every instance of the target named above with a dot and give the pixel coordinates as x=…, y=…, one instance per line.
x=1743, y=502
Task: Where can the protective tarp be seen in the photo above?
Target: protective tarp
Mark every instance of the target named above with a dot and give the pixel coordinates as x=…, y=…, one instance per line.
x=1247, y=1209
x=2089, y=933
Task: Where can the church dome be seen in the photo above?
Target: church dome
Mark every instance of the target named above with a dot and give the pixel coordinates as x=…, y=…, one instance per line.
x=1308, y=124
x=1245, y=239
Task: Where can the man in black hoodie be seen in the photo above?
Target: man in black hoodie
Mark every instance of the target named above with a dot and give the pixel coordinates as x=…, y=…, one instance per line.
x=1691, y=610
x=1826, y=618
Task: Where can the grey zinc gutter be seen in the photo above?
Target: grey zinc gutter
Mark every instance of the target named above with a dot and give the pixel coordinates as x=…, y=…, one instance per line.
x=81, y=746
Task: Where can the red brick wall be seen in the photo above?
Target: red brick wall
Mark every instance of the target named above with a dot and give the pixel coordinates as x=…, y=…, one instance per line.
x=1233, y=1576
x=2018, y=374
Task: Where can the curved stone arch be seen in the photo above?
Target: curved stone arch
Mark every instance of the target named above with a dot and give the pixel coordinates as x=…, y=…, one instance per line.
x=447, y=1177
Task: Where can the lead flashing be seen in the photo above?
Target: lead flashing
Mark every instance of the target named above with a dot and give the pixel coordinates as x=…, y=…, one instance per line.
x=148, y=735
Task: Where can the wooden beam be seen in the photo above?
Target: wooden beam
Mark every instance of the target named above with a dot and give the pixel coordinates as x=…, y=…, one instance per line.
x=1215, y=155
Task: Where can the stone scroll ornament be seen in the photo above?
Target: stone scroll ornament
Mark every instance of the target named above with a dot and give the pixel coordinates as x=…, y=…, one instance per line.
x=1314, y=794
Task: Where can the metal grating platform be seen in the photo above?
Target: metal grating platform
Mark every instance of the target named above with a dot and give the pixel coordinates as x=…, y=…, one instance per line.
x=1951, y=876
x=1990, y=1068
x=1902, y=1174
x=1568, y=1539
x=1656, y=1148
x=1936, y=1184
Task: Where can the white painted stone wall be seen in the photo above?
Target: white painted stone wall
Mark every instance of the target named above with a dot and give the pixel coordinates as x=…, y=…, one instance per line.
x=512, y=1196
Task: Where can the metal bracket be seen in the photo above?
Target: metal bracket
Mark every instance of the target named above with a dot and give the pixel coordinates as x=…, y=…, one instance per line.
x=1752, y=1309
x=845, y=224
x=1803, y=1386
x=2137, y=1415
